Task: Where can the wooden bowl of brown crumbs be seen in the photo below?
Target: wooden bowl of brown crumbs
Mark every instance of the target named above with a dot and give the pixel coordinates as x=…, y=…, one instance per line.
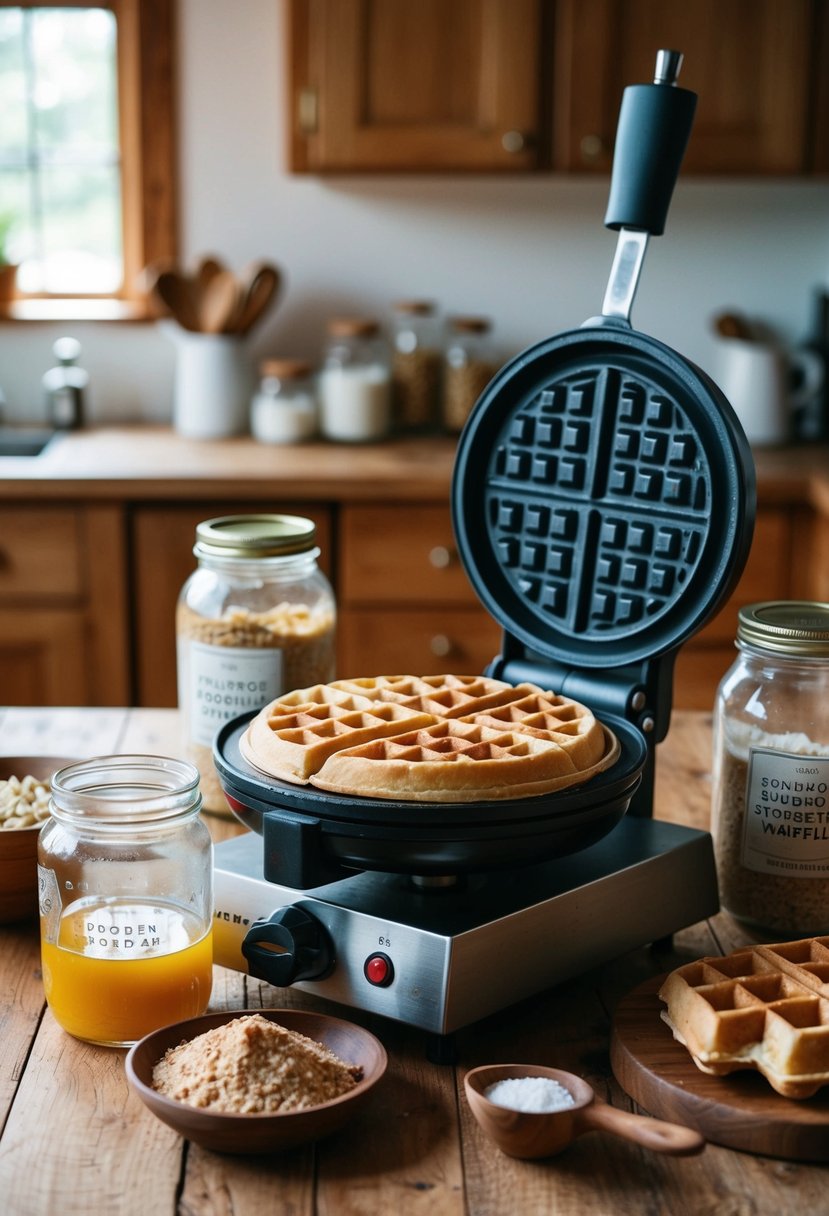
x=256, y=1080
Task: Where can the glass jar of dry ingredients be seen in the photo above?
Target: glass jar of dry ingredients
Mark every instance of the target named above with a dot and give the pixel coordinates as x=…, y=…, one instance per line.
x=468, y=368
x=255, y=619
x=284, y=410
x=416, y=366
x=355, y=382
x=125, y=870
x=771, y=771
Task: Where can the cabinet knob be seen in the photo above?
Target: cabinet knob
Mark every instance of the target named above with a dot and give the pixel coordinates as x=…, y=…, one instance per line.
x=441, y=646
x=591, y=148
x=515, y=141
x=441, y=557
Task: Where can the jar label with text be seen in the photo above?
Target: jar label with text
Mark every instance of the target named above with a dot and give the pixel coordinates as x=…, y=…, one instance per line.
x=786, y=826
x=225, y=681
x=49, y=902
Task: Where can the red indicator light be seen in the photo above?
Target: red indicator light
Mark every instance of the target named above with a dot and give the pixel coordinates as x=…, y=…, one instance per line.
x=378, y=970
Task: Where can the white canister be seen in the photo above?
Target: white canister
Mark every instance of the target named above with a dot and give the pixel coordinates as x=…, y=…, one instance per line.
x=355, y=382
x=212, y=387
x=284, y=410
x=757, y=379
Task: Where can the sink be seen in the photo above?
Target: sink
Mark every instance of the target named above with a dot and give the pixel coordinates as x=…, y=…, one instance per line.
x=15, y=441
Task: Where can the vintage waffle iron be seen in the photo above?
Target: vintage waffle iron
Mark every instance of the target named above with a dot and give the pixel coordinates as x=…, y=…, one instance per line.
x=603, y=503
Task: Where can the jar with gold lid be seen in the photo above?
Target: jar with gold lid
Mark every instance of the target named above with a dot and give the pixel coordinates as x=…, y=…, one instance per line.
x=770, y=811
x=255, y=619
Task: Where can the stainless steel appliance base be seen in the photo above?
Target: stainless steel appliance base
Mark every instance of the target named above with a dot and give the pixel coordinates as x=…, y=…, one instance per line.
x=451, y=955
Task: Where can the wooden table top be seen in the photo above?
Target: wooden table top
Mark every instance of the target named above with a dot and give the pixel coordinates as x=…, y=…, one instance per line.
x=75, y=1140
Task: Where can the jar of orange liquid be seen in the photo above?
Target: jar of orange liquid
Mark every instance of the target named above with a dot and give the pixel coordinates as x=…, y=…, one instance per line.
x=125, y=872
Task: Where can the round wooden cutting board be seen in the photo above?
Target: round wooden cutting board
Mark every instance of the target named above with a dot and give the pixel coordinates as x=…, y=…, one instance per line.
x=739, y=1111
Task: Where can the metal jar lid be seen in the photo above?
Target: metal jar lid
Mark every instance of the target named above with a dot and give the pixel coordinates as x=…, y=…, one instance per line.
x=798, y=628
x=252, y=536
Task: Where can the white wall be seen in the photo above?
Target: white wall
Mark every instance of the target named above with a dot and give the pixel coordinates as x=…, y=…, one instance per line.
x=532, y=252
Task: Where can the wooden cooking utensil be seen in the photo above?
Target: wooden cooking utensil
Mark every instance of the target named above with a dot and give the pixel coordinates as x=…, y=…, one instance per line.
x=732, y=325
x=175, y=291
x=206, y=270
x=219, y=303
x=262, y=282
x=532, y=1134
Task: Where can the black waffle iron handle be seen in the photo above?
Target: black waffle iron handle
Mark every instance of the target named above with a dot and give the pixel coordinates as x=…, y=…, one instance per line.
x=654, y=127
x=640, y=693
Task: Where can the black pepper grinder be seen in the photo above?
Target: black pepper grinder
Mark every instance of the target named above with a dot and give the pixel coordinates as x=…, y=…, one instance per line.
x=64, y=387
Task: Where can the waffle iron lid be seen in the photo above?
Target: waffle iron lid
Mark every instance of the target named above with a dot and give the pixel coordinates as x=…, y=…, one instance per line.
x=602, y=497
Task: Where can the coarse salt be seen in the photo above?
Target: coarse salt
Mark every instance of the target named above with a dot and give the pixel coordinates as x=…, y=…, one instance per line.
x=530, y=1094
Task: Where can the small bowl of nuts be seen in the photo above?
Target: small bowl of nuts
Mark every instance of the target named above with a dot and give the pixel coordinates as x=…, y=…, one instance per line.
x=24, y=808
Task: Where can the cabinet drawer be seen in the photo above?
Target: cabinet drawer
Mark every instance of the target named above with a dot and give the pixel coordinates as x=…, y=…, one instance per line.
x=698, y=671
x=42, y=657
x=401, y=555
x=767, y=574
x=415, y=642
x=39, y=552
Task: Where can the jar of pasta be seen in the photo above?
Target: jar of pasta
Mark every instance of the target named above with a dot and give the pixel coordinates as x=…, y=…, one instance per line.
x=770, y=811
x=254, y=620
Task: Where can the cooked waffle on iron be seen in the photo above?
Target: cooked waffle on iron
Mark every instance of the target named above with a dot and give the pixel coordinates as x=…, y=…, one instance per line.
x=763, y=1007
x=431, y=738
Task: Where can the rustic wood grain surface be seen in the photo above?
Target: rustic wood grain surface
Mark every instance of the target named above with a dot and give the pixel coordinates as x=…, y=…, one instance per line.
x=76, y=1141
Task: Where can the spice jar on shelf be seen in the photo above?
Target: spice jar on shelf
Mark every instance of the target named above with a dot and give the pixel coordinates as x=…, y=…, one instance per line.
x=355, y=382
x=416, y=366
x=469, y=365
x=255, y=619
x=284, y=409
x=125, y=877
x=770, y=810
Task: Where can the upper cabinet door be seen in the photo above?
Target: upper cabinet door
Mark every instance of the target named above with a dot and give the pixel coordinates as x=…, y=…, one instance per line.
x=759, y=67
x=416, y=85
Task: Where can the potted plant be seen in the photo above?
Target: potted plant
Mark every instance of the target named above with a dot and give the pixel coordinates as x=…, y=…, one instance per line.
x=8, y=269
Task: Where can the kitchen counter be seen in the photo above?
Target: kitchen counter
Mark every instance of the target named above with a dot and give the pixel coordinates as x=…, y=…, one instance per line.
x=148, y=463
x=75, y=1140
x=153, y=462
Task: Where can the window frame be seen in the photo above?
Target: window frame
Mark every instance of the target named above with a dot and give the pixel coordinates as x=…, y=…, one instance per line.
x=147, y=135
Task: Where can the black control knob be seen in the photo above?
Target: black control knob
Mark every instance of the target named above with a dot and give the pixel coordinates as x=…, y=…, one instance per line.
x=290, y=945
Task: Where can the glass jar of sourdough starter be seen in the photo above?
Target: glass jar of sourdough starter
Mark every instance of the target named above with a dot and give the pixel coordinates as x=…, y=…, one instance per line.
x=125, y=874
x=770, y=813
x=255, y=619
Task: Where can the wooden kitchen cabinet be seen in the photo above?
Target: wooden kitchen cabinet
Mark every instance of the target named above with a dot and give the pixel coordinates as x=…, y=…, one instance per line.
x=406, y=602
x=63, y=620
x=395, y=85
x=756, y=65
x=506, y=85
x=772, y=572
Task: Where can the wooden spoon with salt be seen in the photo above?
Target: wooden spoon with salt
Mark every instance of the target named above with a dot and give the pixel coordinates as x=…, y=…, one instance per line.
x=543, y=1133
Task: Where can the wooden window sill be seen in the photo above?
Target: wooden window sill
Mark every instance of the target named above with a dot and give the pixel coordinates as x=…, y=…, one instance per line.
x=76, y=309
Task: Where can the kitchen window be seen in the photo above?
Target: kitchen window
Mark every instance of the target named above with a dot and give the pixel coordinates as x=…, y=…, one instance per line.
x=86, y=153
